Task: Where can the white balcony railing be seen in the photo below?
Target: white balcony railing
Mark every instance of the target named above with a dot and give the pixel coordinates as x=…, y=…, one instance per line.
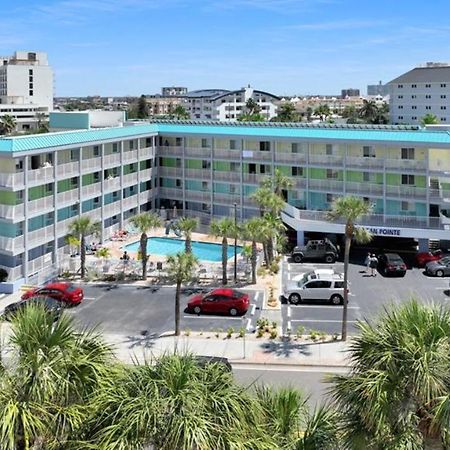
x=326, y=160
x=364, y=188
x=290, y=157
x=62, y=228
x=198, y=152
x=111, y=184
x=70, y=197
x=111, y=160
x=88, y=165
x=145, y=197
x=13, y=272
x=130, y=155
x=406, y=191
x=40, y=204
x=233, y=155
x=11, y=244
x=111, y=210
x=199, y=196
x=129, y=202
x=67, y=170
x=12, y=179
x=40, y=176
x=364, y=163
x=91, y=190
x=198, y=174
x=229, y=199
x=94, y=214
x=145, y=175
x=170, y=150
x=405, y=164
x=172, y=193
x=11, y=211
x=146, y=153
x=40, y=236
x=326, y=185
x=39, y=263
x=130, y=179
x=220, y=175
x=170, y=172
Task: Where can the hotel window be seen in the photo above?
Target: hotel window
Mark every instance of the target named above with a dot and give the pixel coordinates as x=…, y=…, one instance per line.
x=406, y=206
x=400, y=86
x=264, y=146
x=232, y=189
x=329, y=198
x=178, y=163
x=328, y=149
x=115, y=147
x=407, y=153
x=205, y=164
x=205, y=143
x=178, y=141
x=234, y=167
x=148, y=142
x=205, y=186
x=400, y=107
x=413, y=107
x=297, y=171
x=368, y=177
x=131, y=145
x=414, y=86
x=368, y=152
x=178, y=183
x=443, y=96
x=443, y=107
x=428, y=85
x=413, y=96
x=30, y=93
x=427, y=107
x=443, y=85
x=96, y=176
x=400, y=117
x=19, y=165
x=414, y=117
x=408, y=179
x=96, y=150
x=30, y=72
x=443, y=119
x=332, y=174
x=428, y=96
x=205, y=207
x=400, y=96
x=233, y=144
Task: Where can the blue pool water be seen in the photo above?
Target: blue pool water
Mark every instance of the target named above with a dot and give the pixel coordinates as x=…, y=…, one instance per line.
x=204, y=251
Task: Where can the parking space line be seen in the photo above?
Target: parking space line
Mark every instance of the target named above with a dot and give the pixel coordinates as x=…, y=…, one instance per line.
x=256, y=296
x=289, y=311
x=321, y=321
x=252, y=312
x=89, y=298
x=324, y=306
x=289, y=327
x=187, y=316
x=249, y=324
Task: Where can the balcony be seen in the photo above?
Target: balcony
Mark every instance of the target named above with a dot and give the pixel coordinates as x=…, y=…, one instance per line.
x=220, y=175
x=364, y=188
x=40, y=176
x=12, y=180
x=406, y=192
x=91, y=190
x=299, y=183
x=176, y=172
x=94, y=214
x=170, y=150
x=173, y=193
x=13, y=245
x=92, y=164
x=146, y=196
x=68, y=197
x=364, y=163
x=326, y=160
x=14, y=273
x=405, y=165
x=285, y=157
x=326, y=185
x=146, y=153
x=67, y=170
x=111, y=160
x=129, y=202
x=231, y=155
x=198, y=196
x=40, y=263
x=198, y=174
x=194, y=152
x=130, y=156
x=130, y=179
x=41, y=236
x=111, y=184
x=11, y=211
x=112, y=209
x=257, y=155
x=145, y=175
x=228, y=199
x=254, y=177
x=40, y=205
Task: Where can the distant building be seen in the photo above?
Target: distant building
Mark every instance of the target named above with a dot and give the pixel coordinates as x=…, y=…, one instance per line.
x=173, y=91
x=378, y=89
x=162, y=105
x=421, y=91
x=224, y=105
x=350, y=93
x=26, y=88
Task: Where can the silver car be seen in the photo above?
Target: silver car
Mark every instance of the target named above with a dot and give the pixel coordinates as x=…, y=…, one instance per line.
x=438, y=268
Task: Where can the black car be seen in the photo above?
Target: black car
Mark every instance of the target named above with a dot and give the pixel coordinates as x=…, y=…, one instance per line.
x=50, y=304
x=391, y=264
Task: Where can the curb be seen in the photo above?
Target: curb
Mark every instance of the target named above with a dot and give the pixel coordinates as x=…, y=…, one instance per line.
x=290, y=364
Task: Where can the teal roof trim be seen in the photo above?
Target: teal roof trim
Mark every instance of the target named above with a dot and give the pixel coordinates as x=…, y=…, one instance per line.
x=68, y=138
x=60, y=139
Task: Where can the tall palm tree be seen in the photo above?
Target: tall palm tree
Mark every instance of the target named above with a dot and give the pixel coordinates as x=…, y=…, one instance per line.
x=180, y=268
x=180, y=112
x=253, y=230
x=74, y=243
x=287, y=113
x=429, y=119
x=323, y=111
x=177, y=404
x=44, y=394
x=224, y=228
x=278, y=182
x=80, y=228
x=368, y=110
x=272, y=227
x=7, y=124
x=187, y=225
x=145, y=222
x=267, y=199
x=350, y=209
x=396, y=395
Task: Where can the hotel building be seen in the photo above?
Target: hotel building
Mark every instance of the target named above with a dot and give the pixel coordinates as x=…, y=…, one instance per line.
x=111, y=174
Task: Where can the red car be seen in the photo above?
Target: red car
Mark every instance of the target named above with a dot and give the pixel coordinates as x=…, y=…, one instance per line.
x=225, y=301
x=423, y=258
x=62, y=291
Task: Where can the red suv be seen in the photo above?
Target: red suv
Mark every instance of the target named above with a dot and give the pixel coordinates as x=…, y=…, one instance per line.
x=423, y=258
x=62, y=291
x=226, y=301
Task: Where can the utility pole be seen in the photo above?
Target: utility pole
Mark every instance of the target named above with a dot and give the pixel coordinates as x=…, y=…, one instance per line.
x=235, y=243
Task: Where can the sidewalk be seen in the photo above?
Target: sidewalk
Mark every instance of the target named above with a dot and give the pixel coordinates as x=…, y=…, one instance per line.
x=239, y=351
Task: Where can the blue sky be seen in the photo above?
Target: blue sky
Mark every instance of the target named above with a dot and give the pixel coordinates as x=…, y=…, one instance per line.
x=129, y=47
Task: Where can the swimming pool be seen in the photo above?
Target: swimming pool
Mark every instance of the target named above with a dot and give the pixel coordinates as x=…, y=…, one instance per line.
x=204, y=251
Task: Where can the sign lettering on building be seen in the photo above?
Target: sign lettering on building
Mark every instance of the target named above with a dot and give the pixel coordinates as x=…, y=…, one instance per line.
x=380, y=231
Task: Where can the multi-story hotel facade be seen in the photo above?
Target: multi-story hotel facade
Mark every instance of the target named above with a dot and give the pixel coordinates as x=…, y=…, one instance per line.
x=111, y=174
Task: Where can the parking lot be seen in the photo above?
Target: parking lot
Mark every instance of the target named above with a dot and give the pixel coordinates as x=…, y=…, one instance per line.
x=134, y=310
x=367, y=296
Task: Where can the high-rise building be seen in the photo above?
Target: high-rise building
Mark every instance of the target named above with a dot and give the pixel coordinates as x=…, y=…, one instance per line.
x=421, y=91
x=173, y=91
x=378, y=89
x=26, y=87
x=350, y=93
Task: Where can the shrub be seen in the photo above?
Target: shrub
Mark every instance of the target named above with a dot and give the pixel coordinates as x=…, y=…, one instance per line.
x=241, y=332
x=313, y=335
x=322, y=335
x=260, y=333
x=274, y=324
x=273, y=333
x=300, y=331
x=230, y=331
x=274, y=267
x=261, y=272
x=335, y=337
x=262, y=323
x=187, y=332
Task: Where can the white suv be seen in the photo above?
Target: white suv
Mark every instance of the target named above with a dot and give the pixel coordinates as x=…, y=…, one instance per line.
x=323, y=288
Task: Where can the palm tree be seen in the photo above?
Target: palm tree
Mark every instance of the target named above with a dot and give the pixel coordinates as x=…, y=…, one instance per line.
x=177, y=404
x=145, y=222
x=7, y=124
x=104, y=253
x=80, y=228
x=323, y=111
x=73, y=243
x=272, y=227
x=187, y=225
x=267, y=199
x=396, y=395
x=368, y=110
x=253, y=230
x=45, y=394
x=278, y=183
x=287, y=113
x=252, y=107
x=180, y=269
x=224, y=228
x=429, y=119
x=42, y=122
x=350, y=209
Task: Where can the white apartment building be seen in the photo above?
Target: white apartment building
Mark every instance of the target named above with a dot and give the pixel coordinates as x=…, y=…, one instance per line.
x=421, y=91
x=227, y=106
x=26, y=87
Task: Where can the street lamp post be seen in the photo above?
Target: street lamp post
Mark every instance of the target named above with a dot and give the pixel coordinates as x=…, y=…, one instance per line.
x=235, y=242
